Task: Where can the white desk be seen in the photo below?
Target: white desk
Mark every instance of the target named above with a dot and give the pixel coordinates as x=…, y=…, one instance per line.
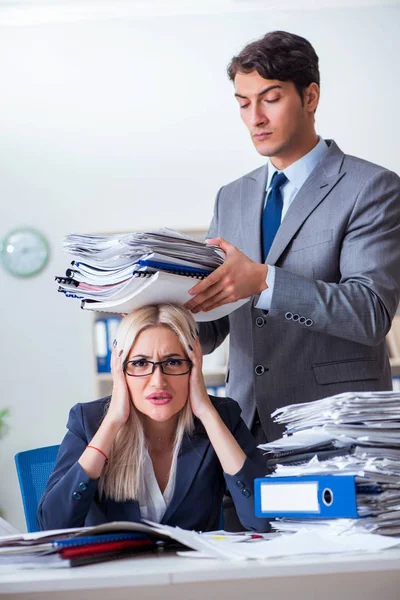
x=369, y=577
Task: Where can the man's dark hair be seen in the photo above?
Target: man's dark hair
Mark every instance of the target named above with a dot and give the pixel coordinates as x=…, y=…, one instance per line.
x=279, y=55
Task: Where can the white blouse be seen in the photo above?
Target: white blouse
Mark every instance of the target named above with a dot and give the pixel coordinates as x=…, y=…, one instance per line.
x=152, y=502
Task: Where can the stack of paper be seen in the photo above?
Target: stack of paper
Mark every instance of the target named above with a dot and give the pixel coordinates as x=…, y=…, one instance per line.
x=111, y=541
x=364, y=429
x=120, y=273
x=79, y=546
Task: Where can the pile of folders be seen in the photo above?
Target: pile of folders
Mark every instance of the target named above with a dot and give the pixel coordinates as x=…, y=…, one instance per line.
x=120, y=273
x=339, y=458
x=80, y=546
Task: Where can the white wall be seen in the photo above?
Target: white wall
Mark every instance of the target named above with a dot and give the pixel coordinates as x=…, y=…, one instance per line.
x=130, y=124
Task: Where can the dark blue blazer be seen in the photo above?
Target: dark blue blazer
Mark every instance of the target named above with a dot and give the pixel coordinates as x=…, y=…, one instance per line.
x=71, y=498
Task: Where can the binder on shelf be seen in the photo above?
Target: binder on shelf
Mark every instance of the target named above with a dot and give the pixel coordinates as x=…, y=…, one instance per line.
x=112, y=326
x=306, y=497
x=105, y=330
x=101, y=347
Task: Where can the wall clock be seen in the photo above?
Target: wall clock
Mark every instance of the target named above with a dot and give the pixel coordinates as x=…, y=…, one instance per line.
x=24, y=252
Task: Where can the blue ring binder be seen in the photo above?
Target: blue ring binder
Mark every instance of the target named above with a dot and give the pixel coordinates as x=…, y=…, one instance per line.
x=306, y=497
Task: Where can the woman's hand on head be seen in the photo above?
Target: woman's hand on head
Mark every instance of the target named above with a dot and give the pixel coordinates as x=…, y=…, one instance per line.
x=198, y=396
x=120, y=405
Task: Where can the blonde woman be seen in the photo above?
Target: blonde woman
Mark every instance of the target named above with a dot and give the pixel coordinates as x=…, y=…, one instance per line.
x=160, y=448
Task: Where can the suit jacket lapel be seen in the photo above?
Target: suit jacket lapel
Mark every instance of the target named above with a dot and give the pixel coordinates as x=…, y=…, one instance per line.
x=318, y=185
x=189, y=462
x=252, y=197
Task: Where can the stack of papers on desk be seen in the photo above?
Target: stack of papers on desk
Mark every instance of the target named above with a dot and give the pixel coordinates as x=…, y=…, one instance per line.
x=120, y=273
x=77, y=546
x=112, y=541
x=365, y=429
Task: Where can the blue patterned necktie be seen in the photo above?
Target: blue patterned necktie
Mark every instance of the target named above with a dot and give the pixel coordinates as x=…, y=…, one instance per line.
x=272, y=213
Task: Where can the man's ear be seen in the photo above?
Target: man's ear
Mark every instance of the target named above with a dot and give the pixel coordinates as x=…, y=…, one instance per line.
x=311, y=97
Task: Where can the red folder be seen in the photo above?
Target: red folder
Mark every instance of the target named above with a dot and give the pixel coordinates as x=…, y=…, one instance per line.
x=91, y=549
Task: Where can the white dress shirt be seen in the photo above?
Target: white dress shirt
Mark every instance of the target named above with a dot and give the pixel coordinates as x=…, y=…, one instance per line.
x=296, y=173
x=152, y=502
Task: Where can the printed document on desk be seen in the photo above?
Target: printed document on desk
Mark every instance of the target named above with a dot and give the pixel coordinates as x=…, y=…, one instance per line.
x=302, y=543
x=321, y=542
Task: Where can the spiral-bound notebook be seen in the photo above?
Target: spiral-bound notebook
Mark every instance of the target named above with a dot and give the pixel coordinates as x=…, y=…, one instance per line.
x=156, y=288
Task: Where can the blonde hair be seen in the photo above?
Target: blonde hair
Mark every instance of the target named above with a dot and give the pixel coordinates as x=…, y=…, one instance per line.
x=121, y=477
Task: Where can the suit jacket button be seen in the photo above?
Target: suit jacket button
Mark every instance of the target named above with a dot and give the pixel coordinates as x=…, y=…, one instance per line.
x=289, y=316
x=260, y=321
x=259, y=370
x=83, y=486
x=296, y=317
x=76, y=496
x=309, y=322
x=302, y=320
x=240, y=484
x=246, y=493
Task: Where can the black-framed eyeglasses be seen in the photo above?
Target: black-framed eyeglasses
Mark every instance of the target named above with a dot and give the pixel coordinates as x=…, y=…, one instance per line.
x=171, y=366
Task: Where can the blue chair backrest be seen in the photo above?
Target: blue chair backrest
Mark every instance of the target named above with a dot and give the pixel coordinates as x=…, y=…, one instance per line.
x=34, y=468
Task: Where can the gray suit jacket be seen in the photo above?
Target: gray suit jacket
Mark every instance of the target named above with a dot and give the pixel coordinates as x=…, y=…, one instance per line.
x=337, y=287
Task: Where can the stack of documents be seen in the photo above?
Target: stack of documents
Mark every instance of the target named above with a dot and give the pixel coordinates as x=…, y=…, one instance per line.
x=78, y=546
x=120, y=273
x=354, y=472
x=111, y=541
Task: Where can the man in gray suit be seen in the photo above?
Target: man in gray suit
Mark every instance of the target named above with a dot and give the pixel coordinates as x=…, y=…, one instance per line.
x=312, y=237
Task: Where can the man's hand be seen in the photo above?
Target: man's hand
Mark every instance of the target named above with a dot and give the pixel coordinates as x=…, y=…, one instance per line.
x=239, y=277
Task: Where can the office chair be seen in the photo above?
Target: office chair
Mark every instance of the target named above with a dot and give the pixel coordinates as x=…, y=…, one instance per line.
x=34, y=468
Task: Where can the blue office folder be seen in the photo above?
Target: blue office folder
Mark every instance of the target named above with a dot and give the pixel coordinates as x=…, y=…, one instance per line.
x=100, y=344
x=112, y=326
x=182, y=269
x=105, y=331
x=306, y=497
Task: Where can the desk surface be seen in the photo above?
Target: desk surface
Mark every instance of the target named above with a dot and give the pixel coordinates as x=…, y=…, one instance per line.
x=366, y=577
